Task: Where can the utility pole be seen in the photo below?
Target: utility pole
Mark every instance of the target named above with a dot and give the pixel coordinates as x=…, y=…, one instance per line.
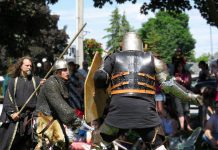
x=211, y=43
x=79, y=40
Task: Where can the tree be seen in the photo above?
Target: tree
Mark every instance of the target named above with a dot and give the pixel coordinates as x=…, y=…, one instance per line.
x=204, y=57
x=125, y=26
x=90, y=47
x=114, y=35
x=119, y=26
x=167, y=32
x=207, y=8
x=28, y=28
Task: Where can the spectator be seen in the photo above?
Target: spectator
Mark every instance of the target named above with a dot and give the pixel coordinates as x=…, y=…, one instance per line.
x=204, y=73
x=178, y=57
x=6, y=79
x=183, y=77
x=160, y=99
x=43, y=68
x=170, y=125
x=46, y=66
x=209, y=95
x=76, y=88
x=5, y=84
x=211, y=130
x=214, y=67
x=214, y=71
x=84, y=71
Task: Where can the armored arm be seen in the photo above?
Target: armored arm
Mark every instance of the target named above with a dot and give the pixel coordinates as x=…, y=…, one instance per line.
x=170, y=86
x=101, y=78
x=102, y=75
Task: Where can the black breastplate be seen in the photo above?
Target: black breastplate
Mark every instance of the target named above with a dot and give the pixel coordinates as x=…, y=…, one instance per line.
x=133, y=73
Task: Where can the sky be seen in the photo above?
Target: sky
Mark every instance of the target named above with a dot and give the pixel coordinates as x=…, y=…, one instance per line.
x=99, y=19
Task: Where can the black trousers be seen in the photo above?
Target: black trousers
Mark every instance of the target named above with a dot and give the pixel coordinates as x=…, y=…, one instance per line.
x=23, y=142
x=153, y=137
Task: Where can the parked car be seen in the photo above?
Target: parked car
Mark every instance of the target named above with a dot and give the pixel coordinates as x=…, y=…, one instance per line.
x=200, y=86
x=208, y=90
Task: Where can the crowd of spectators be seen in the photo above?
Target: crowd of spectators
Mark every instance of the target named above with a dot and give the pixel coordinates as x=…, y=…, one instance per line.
x=175, y=115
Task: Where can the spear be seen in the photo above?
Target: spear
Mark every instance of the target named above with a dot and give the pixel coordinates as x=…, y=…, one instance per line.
x=61, y=55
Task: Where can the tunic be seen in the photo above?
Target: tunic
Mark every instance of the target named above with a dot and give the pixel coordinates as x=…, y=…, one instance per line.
x=24, y=88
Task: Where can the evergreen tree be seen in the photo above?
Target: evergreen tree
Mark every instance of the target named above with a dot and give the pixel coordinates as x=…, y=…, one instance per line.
x=118, y=27
x=125, y=26
x=114, y=36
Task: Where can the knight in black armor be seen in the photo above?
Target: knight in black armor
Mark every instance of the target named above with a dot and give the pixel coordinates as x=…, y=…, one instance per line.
x=132, y=73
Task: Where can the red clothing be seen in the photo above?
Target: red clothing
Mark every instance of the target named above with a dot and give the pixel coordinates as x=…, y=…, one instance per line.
x=216, y=99
x=80, y=146
x=186, y=79
x=79, y=113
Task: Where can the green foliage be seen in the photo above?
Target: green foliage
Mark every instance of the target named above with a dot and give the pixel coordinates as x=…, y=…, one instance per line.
x=28, y=28
x=114, y=30
x=207, y=8
x=90, y=47
x=118, y=27
x=167, y=32
x=125, y=26
x=204, y=57
x=190, y=56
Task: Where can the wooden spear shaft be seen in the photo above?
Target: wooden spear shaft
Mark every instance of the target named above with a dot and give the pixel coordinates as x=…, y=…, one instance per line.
x=61, y=55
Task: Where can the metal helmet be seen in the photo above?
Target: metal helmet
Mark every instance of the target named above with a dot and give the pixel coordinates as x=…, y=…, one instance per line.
x=132, y=41
x=60, y=64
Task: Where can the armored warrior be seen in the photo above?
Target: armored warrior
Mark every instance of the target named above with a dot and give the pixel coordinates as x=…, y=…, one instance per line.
x=132, y=73
x=54, y=110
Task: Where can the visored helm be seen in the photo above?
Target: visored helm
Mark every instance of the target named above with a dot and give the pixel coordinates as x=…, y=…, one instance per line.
x=132, y=41
x=60, y=64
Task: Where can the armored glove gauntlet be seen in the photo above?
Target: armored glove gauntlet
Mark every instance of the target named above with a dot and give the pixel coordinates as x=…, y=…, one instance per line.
x=177, y=90
x=196, y=98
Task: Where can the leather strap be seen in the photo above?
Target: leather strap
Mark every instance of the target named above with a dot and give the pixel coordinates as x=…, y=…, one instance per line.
x=147, y=85
x=119, y=84
x=146, y=75
x=139, y=83
x=132, y=91
x=47, y=126
x=119, y=74
x=126, y=73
